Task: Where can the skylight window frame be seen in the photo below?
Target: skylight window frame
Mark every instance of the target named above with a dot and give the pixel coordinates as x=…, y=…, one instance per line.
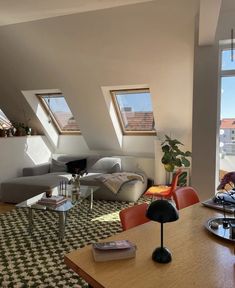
x=119, y=113
x=49, y=112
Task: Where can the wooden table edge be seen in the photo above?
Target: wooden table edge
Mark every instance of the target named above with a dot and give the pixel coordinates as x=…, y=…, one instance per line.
x=91, y=281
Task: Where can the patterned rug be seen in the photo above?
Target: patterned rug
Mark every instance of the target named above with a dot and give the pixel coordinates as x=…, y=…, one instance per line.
x=38, y=260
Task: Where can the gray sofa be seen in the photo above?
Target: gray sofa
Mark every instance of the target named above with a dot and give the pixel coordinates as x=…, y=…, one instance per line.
x=47, y=176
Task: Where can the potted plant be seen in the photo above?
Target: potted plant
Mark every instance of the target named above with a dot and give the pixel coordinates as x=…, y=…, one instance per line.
x=173, y=156
x=19, y=128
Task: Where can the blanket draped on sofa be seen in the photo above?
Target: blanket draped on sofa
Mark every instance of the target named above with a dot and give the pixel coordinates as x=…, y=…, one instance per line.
x=115, y=181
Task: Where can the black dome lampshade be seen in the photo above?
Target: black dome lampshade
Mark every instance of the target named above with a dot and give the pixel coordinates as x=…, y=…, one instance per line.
x=162, y=211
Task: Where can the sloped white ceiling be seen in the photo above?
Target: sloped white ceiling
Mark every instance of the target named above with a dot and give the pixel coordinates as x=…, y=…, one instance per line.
x=208, y=19
x=150, y=43
x=15, y=11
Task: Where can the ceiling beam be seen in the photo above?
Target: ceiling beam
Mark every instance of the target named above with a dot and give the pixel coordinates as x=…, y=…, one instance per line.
x=208, y=19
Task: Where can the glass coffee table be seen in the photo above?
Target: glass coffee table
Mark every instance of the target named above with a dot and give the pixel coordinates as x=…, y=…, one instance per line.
x=62, y=210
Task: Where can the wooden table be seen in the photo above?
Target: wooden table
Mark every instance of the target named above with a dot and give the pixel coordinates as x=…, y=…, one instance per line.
x=199, y=258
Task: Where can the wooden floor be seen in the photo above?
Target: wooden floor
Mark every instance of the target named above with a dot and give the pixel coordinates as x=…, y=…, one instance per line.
x=4, y=207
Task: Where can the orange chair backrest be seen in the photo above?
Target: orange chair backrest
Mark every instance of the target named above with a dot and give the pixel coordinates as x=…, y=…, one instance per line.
x=174, y=182
x=185, y=196
x=133, y=216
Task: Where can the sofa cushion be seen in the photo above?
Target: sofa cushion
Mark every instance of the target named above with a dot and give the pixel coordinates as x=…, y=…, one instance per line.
x=106, y=165
x=37, y=170
x=21, y=188
x=75, y=166
x=57, y=166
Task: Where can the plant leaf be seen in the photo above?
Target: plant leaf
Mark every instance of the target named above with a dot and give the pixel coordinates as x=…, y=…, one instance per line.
x=169, y=167
x=165, y=148
x=178, y=162
x=185, y=162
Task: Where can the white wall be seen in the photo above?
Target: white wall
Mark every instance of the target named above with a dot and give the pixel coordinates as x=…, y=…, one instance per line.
x=152, y=44
x=19, y=152
x=205, y=134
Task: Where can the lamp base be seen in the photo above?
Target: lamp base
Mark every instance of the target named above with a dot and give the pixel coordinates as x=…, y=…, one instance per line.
x=161, y=255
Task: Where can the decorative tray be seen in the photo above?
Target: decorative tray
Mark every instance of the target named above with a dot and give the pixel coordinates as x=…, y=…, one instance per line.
x=221, y=227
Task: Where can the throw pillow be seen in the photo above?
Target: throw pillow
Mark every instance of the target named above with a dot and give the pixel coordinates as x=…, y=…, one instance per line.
x=76, y=166
x=57, y=166
x=106, y=165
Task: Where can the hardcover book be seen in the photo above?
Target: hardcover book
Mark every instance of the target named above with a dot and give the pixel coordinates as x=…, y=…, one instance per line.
x=53, y=199
x=114, y=250
x=52, y=203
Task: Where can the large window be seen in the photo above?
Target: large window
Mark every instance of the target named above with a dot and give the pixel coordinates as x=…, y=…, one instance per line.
x=227, y=112
x=135, y=112
x=59, y=113
x=4, y=121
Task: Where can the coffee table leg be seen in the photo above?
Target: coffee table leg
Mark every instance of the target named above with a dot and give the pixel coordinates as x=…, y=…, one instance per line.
x=91, y=199
x=30, y=219
x=62, y=221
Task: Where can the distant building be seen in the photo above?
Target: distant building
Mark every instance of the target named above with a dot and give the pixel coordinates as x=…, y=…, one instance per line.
x=227, y=135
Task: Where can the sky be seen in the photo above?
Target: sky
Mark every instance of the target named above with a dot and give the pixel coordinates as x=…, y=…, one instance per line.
x=227, y=87
x=138, y=101
x=58, y=104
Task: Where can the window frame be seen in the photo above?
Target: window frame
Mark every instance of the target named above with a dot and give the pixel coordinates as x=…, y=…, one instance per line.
x=49, y=112
x=119, y=115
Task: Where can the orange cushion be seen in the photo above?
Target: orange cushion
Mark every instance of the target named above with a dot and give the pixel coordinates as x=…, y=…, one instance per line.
x=157, y=190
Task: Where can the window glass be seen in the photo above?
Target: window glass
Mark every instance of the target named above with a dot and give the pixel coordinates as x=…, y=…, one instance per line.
x=226, y=63
x=227, y=117
x=135, y=110
x=60, y=113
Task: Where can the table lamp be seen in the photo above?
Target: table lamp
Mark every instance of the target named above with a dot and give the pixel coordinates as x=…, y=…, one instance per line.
x=162, y=211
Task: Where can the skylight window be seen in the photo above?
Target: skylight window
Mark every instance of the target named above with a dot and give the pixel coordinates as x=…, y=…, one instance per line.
x=135, y=112
x=4, y=121
x=59, y=113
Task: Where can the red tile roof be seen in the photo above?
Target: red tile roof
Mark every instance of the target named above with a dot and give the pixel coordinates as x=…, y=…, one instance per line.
x=66, y=121
x=228, y=123
x=138, y=121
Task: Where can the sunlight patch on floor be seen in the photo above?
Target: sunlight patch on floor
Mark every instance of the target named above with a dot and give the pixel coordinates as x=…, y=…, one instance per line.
x=111, y=217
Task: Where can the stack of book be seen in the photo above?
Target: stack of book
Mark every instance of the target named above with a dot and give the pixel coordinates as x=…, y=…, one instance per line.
x=53, y=201
x=113, y=250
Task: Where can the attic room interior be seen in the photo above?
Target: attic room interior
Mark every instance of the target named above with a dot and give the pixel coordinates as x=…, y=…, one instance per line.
x=103, y=90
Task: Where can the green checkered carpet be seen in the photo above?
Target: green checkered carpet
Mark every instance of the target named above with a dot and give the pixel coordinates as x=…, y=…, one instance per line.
x=38, y=260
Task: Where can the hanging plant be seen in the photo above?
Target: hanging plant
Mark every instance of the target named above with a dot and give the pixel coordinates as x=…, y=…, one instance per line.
x=173, y=156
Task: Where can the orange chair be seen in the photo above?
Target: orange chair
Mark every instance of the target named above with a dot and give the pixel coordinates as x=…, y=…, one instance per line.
x=164, y=191
x=185, y=196
x=133, y=216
